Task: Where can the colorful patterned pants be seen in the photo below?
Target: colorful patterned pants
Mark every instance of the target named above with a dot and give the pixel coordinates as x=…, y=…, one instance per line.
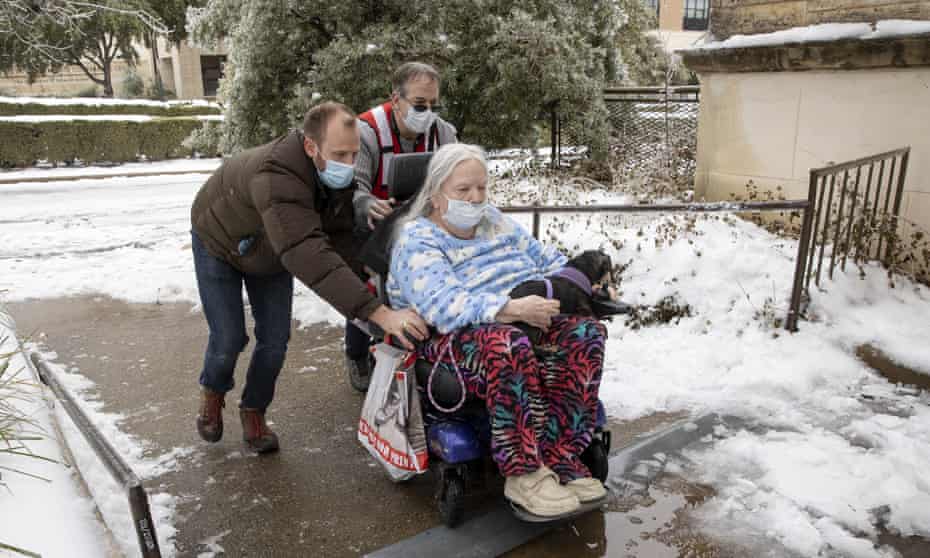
x=543, y=406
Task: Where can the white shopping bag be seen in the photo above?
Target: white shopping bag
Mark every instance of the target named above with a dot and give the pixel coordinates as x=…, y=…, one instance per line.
x=391, y=426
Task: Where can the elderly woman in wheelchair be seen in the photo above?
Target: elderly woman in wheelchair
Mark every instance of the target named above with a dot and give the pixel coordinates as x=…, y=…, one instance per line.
x=454, y=260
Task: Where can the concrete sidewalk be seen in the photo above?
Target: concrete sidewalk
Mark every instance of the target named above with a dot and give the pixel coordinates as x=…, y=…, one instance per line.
x=321, y=495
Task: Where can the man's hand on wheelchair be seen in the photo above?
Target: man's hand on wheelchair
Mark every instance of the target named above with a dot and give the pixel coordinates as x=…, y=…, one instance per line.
x=379, y=210
x=401, y=324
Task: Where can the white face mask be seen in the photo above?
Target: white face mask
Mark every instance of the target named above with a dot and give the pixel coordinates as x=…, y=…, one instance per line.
x=419, y=122
x=464, y=215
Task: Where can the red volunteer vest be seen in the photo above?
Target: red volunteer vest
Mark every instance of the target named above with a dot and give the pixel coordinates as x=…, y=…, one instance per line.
x=381, y=121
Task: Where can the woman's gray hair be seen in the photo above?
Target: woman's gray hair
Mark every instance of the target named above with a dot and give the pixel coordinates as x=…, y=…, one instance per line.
x=440, y=167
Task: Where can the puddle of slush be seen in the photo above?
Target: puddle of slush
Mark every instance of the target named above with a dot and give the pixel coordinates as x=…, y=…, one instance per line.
x=654, y=525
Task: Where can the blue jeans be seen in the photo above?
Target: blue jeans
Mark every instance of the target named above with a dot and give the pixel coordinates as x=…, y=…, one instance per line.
x=270, y=296
x=357, y=342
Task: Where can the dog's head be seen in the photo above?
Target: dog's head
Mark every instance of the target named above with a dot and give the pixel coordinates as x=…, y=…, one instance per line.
x=596, y=265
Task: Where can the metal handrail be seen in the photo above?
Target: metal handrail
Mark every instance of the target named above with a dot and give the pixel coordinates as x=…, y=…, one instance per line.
x=114, y=462
x=832, y=169
x=673, y=90
x=823, y=183
x=696, y=207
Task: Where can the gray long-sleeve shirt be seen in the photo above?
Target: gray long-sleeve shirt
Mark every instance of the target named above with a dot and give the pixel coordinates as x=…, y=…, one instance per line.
x=369, y=155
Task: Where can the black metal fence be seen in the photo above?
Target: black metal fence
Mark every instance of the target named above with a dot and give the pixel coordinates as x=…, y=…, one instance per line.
x=854, y=209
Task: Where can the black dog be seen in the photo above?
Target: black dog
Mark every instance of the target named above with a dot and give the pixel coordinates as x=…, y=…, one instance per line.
x=572, y=286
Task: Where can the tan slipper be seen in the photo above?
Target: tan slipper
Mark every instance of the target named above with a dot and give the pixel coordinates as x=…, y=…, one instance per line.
x=540, y=493
x=587, y=489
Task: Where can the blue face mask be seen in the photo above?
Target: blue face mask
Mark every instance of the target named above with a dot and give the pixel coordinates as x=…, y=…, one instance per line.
x=464, y=215
x=337, y=175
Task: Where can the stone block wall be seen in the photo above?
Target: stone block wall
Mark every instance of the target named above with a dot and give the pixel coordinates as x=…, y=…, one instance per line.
x=746, y=17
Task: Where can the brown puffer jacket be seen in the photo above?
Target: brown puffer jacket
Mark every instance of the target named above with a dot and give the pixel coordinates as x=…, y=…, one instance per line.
x=272, y=193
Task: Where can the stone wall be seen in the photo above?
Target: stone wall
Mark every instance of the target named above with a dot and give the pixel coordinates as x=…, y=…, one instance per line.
x=772, y=128
x=746, y=17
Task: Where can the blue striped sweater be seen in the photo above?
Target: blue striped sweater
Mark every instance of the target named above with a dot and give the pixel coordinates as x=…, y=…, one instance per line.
x=453, y=282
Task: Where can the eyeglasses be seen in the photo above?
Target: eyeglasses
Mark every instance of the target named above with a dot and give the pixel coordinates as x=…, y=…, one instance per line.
x=423, y=107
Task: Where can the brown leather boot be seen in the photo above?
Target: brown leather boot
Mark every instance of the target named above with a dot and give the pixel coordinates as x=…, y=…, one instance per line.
x=210, y=419
x=255, y=431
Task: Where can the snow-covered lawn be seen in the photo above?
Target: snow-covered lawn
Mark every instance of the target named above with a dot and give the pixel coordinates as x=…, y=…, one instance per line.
x=821, y=466
x=128, y=169
x=98, y=117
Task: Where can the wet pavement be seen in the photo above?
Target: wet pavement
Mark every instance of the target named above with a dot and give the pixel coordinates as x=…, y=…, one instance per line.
x=654, y=524
x=321, y=495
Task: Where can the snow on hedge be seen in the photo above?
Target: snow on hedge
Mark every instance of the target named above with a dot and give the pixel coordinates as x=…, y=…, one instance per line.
x=96, y=117
x=99, y=101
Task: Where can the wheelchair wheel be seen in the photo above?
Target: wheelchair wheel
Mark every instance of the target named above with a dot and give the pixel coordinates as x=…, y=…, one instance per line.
x=452, y=499
x=595, y=458
x=359, y=378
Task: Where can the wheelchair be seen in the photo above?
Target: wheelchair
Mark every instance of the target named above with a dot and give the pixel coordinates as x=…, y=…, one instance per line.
x=458, y=442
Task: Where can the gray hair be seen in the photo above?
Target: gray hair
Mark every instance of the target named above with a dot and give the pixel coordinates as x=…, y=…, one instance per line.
x=409, y=71
x=440, y=167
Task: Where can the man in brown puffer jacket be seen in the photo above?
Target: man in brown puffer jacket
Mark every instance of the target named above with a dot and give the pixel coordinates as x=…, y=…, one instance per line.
x=274, y=212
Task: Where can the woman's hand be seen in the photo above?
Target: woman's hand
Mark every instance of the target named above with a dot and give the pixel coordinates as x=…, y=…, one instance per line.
x=534, y=310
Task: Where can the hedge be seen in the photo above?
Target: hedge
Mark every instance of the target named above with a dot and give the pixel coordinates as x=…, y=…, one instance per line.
x=115, y=141
x=14, y=109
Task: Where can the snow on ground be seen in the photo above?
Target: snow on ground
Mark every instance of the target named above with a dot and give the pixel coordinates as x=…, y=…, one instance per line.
x=72, y=117
x=823, y=32
x=100, y=101
x=126, y=237
x=832, y=451
x=50, y=500
x=99, y=117
x=48, y=511
x=169, y=166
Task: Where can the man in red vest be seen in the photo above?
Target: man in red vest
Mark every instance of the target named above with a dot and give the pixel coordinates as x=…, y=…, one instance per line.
x=407, y=123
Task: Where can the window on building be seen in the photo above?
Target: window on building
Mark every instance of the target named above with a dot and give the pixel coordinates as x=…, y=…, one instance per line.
x=696, y=12
x=652, y=6
x=211, y=70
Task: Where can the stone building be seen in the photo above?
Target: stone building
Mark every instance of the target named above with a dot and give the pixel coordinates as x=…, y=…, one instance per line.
x=837, y=80
x=188, y=72
x=680, y=23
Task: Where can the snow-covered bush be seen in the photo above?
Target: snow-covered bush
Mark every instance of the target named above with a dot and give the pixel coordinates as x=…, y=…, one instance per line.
x=204, y=141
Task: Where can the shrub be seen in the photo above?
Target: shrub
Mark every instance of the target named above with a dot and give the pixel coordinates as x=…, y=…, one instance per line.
x=23, y=143
x=13, y=109
x=158, y=92
x=89, y=91
x=133, y=86
x=205, y=141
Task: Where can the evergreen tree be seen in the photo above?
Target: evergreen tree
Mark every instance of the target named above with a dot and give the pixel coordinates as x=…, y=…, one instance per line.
x=503, y=63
